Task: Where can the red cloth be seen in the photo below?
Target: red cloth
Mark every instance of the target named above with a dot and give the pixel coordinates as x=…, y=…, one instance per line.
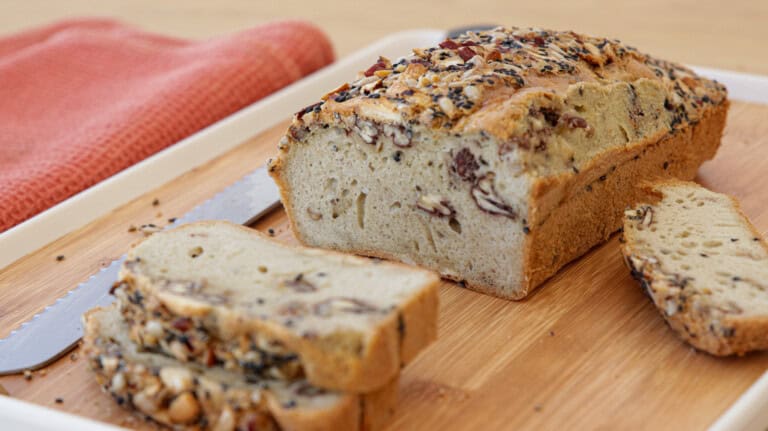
x=82, y=100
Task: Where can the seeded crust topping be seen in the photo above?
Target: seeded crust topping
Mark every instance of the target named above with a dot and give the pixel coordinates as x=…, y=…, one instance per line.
x=447, y=86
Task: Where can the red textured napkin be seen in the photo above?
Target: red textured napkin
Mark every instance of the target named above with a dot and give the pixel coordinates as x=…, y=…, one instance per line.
x=82, y=100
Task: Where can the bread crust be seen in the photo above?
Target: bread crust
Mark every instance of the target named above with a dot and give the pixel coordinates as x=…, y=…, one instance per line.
x=394, y=342
x=129, y=381
x=574, y=203
x=592, y=207
x=728, y=334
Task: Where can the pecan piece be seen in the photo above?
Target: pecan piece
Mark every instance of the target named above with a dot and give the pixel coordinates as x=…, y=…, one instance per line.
x=486, y=198
x=381, y=63
x=574, y=121
x=182, y=324
x=466, y=53
x=401, y=136
x=435, y=205
x=448, y=44
x=465, y=165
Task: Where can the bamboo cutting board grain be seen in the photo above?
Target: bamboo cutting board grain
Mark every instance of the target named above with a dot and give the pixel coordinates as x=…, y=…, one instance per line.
x=585, y=351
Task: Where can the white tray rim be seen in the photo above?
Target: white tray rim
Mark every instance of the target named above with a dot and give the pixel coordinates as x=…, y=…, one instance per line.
x=748, y=413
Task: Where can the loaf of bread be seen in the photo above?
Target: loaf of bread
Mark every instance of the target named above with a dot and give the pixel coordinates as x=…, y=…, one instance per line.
x=220, y=294
x=494, y=158
x=703, y=265
x=186, y=396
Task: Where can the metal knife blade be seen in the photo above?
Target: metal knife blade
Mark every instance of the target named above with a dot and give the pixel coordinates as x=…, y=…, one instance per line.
x=55, y=330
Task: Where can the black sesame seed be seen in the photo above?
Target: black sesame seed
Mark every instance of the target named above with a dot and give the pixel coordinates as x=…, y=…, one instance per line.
x=59, y=400
x=60, y=257
x=397, y=156
x=666, y=165
x=526, y=230
x=156, y=202
x=736, y=278
x=603, y=177
x=271, y=232
x=734, y=239
x=703, y=255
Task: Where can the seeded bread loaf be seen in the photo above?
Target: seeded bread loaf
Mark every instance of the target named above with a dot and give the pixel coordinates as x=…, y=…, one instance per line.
x=220, y=294
x=186, y=396
x=494, y=158
x=703, y=265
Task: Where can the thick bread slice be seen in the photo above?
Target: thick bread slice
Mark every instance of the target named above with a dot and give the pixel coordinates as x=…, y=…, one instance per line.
x=197, y=398
x=703, y=264
x=218, y=293
x=494, y=158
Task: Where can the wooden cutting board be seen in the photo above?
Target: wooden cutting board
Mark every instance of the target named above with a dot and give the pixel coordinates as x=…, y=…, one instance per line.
x=586, y=351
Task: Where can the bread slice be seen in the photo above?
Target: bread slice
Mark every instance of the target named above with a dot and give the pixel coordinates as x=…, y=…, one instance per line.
x=703, y=265
x=496, y=157
x=197, y=398
x=220, y=294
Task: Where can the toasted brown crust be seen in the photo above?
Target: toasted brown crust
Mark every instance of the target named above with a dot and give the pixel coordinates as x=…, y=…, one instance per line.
x=395, y=341
x=592, y=202
x=238, y=404
x=695, y=327
x=502, y=66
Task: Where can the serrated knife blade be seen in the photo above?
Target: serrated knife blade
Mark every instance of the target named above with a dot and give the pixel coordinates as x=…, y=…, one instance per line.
x=55, y=330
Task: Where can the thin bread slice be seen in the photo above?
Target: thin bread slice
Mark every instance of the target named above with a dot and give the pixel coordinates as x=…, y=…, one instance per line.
x=703, y=264
x=220, y=294
x=192, y=397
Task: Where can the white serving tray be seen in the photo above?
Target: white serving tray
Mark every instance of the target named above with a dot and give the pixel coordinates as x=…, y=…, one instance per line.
x=748, y=413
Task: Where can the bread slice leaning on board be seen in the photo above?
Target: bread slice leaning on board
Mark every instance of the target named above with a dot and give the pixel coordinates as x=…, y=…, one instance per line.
x=496, y=157
x=220, y=294
x=703, y=264
x=188, y=396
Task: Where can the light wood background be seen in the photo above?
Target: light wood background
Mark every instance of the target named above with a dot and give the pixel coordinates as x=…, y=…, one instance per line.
x=727, y=34
x=587, y=351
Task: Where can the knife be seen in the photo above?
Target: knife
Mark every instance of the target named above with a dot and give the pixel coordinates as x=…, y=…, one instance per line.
x=55, y=330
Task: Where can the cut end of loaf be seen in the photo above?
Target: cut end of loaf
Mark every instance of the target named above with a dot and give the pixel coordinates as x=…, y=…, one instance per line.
x=215, y=293
x=702, y=264
x=188, y=396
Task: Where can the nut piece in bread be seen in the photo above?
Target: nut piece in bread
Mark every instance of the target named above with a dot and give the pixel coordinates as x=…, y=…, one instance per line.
x=703, y=265
x=220, y=294
x=494, y=158
x=187, y=396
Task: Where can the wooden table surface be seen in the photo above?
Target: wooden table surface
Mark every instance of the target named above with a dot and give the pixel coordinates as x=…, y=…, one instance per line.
x=715, y=33
x=564, y=368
